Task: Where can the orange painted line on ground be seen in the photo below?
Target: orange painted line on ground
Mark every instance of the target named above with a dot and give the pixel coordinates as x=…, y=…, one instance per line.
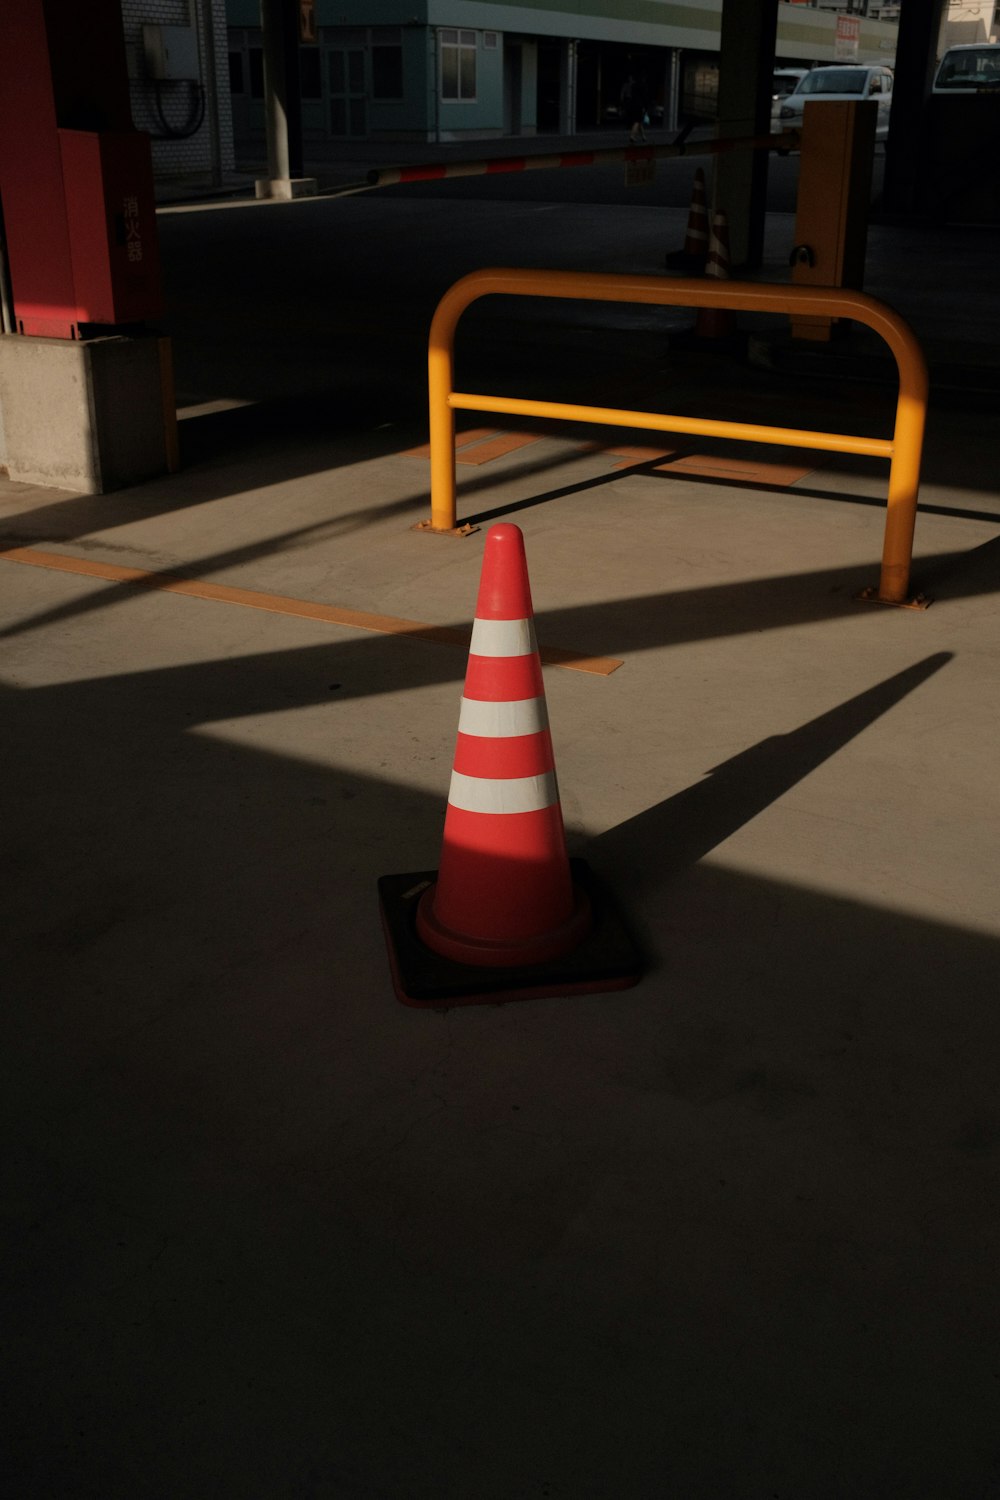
x=632, y=456
x=507, y=442
x=280, y=604
x=777, y=475
x=480, y=445
x=637, y=452
x=462, y=440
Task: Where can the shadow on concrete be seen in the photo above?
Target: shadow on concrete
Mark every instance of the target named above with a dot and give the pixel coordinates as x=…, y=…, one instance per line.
x=649, y=470
x=322, y=300
x=266, y=444
x=962, y=575
x=264, y=461
x=637, y=623
x=271, y=1235
x=650, y=849
x=252, y=1202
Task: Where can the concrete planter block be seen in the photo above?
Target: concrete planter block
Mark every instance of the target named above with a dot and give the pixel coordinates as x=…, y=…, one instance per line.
x=90, y=415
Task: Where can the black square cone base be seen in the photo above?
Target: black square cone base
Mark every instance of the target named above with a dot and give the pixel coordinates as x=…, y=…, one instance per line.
x=606, y=959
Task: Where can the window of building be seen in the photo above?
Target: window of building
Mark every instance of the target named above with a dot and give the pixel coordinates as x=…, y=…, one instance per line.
x=346, y=70
x=458, y=64
x=348, y=95
x=236, y=72
x=310, y=78
x=387, y=62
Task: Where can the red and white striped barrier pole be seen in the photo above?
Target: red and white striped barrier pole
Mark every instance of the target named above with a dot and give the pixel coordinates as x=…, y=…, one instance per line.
x=438, y=171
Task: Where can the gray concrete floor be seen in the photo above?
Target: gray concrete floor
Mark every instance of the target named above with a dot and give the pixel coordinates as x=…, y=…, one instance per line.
x=729, y=1234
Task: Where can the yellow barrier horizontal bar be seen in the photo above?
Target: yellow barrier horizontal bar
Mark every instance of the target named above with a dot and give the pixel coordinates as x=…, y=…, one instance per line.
x=903, y=450
x=788, y=437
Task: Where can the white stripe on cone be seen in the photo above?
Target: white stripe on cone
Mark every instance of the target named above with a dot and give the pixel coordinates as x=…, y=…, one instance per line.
x=697, y=228
x=503, y=638
x=503, y=720
x=718, y=248
x=514, y=794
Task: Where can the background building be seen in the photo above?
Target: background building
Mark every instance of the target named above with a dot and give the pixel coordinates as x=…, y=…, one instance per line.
x=970, y=21
x=179, y=85
x=450, y=70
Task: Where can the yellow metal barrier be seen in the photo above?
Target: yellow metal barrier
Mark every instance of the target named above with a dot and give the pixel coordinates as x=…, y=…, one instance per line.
x=903, y=449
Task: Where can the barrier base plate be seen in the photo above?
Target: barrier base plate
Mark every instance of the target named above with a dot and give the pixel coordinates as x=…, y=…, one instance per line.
x=606, y=959
x=429, y=529
x=871, y=596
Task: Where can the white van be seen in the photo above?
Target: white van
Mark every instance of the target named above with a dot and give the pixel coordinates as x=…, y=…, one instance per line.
x=841, y=82
x=971, y=68
x=783, y=81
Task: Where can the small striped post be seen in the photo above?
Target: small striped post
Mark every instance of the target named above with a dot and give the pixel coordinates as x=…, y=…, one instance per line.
x=717, y=322
x=691, y=259
x=718, y=262
x=504, y=895
x=696, y=236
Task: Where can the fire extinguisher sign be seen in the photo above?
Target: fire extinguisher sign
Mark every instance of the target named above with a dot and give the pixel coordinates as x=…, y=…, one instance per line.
x=133, y=235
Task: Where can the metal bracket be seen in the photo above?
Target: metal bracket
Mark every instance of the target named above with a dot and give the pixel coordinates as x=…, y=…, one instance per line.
x=429, y=530
x=871, y=596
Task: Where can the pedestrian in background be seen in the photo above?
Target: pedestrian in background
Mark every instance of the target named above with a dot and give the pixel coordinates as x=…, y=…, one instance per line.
x=633, y=105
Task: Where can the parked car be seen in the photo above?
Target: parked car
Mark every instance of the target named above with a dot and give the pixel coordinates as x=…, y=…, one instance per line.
x=841, y=82
x=783, y=81
x=972, y=68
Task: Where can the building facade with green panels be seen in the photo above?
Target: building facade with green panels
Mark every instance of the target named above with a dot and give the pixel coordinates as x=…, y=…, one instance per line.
x=451, y=70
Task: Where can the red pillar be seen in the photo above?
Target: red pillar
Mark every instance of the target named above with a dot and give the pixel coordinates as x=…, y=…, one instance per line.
x=76, y=178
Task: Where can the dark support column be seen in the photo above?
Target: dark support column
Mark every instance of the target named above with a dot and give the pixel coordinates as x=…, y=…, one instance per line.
x=916, y=52
x=207, y=19
x=746, y=62
x=279, y=20
x=672, y=90
x=293, y=85
x=275, y=81
x=567, y=88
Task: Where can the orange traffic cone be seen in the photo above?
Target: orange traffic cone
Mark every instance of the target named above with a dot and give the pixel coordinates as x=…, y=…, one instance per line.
x=503, y=894
x=508, y=914
x=693, y=256
x=717, y=322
